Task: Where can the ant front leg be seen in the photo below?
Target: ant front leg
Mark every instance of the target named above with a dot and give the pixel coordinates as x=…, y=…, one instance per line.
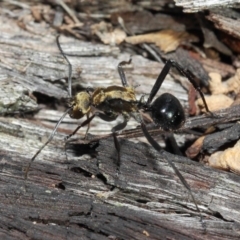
x=86, y=122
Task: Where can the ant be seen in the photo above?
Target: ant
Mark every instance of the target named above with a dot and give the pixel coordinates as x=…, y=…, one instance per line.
x=109, y=102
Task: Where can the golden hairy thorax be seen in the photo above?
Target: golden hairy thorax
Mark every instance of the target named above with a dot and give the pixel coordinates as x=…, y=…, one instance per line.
x=115, y=99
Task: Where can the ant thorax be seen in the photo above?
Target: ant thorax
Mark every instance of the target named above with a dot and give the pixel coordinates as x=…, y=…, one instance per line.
x=115, y=99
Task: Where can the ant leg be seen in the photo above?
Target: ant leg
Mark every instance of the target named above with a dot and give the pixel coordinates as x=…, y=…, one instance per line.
x=161, y=77
x=171, y=141
x=45, y=144
x=121, y=72
x=116, y=129
x=180, y=176
x=69, y=67
x=89, y=119
x=185, y=72
x=88, y=126
x=193, y=80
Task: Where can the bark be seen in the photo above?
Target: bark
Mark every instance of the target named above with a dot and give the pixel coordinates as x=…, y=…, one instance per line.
x=196, y=6
x=80, y=194
x=74, y=190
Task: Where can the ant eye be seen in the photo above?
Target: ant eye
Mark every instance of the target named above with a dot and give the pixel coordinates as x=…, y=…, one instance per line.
x=167, y=112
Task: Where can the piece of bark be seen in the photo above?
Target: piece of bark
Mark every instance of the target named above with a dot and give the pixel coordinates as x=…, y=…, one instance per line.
x=226, y=24
x=201, y=66
x=222, y=136
x=14, y=98
x=227, y=160
x=145, y=22
x=214, y=141
x=210, y=65
x=210, y=38
x=199, y=5
x=79, y=194
x=189, y=62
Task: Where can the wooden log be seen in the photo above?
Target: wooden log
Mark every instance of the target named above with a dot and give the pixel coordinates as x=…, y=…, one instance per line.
x=79, y=193
x=75, y=192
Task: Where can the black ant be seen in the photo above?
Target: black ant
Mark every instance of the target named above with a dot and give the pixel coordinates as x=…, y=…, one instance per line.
x=109, y=102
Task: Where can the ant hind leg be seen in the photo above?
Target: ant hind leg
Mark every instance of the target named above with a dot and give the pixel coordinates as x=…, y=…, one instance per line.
x=116, y=129
x=157, y=147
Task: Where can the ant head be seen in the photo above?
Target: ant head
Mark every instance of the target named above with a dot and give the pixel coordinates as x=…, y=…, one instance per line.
x=167, y=112
x=80, y=105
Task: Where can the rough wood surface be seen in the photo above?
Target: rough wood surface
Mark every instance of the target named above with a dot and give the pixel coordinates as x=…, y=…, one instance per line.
x=74, y=191
x=79, y=193
x=227, y=24
x=199, y=5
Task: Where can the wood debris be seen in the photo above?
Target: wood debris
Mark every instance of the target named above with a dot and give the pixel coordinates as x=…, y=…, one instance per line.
x=216, y=85
x=107, y=34
x=215, y=102
x=166, y=40
x=228, y=159
x=73, y=189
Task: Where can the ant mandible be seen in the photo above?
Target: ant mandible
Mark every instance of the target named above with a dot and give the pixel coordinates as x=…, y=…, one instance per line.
x=110, y=102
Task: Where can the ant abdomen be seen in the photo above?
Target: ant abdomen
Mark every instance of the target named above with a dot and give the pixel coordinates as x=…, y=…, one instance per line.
x=167, y=112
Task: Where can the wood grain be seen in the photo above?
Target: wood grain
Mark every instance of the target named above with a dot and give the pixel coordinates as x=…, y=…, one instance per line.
x=74, y=190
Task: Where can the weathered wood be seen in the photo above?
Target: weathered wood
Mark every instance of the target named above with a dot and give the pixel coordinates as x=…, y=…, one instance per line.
x=213, y=142
x=80, y=190
x=78, y=193
x=226, y=23
x=198, y=5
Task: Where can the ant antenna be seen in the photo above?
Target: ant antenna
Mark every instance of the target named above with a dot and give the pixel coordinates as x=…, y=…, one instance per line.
x=122, y=73
x=45, y=144
x=69, y=67
x=65, y=113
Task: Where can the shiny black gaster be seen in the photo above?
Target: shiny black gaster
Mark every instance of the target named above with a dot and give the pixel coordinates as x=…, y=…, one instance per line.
x=167, y=112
